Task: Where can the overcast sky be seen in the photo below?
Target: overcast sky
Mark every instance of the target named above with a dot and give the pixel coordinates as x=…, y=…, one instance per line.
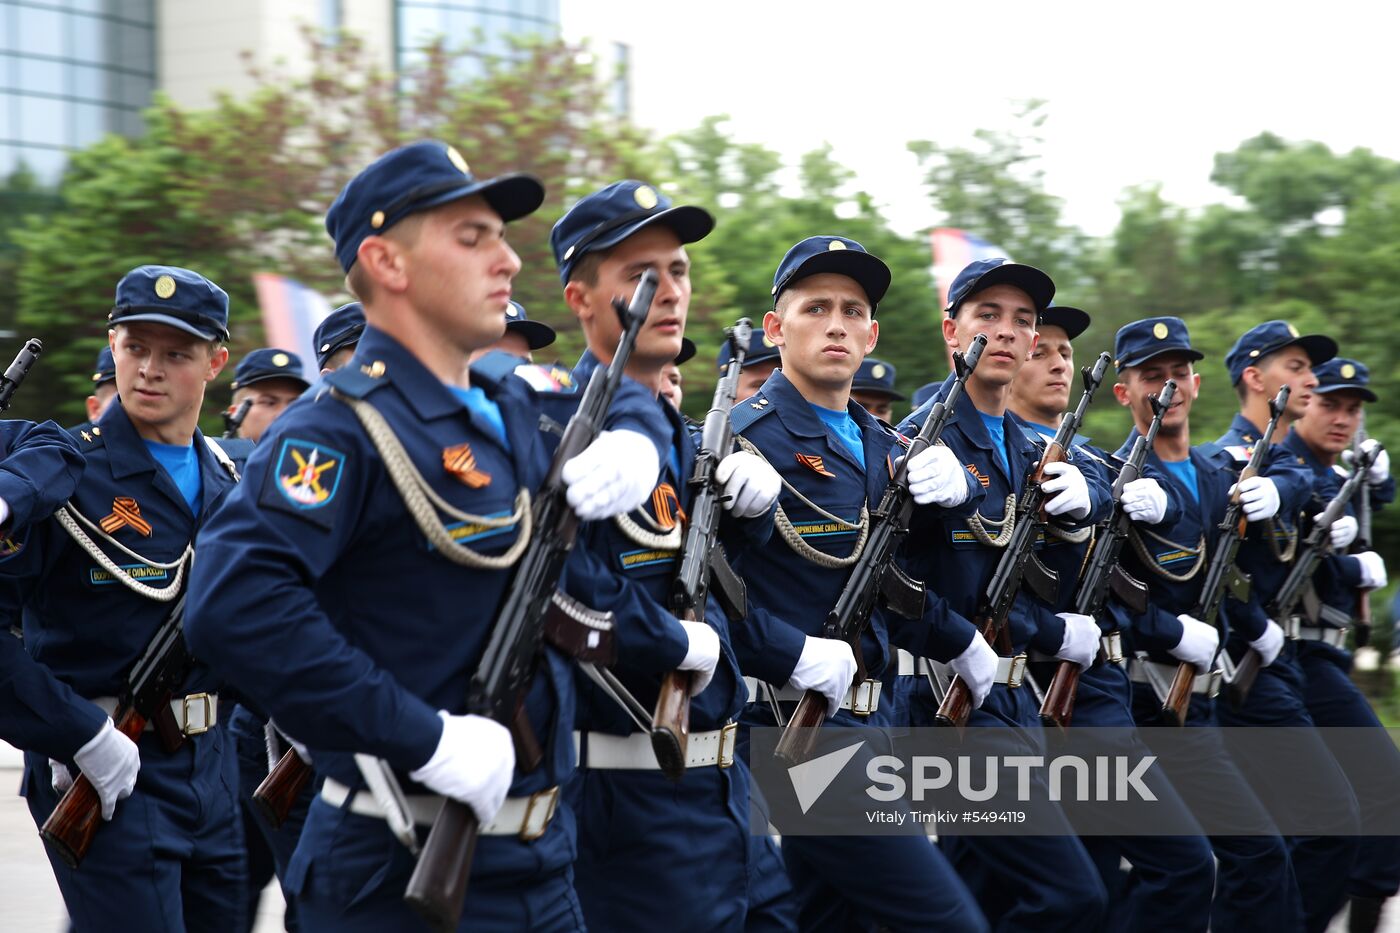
x=1137, y=92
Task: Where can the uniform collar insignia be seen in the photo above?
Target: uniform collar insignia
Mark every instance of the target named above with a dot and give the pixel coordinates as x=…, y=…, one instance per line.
x=460, y=462
x=814, y=463
x=126, y=514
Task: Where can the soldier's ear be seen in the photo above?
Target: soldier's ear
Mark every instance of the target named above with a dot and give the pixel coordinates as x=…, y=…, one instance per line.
x=773, y=328
x=576, y=296
x=1120, y=392
x=381, y=261
x=950, y=333
x=874, y=337
x=218, y=359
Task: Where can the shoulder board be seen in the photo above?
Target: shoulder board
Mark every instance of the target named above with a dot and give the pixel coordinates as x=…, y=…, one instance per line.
x=495, y=366
x=554, y=379
x=1211, y=449
x=87, y=436
x=354, y=382
x=748, y=411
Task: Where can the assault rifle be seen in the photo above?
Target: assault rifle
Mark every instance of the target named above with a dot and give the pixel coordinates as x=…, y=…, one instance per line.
x=234, y=420
x=1363, y=540
x=17, y=370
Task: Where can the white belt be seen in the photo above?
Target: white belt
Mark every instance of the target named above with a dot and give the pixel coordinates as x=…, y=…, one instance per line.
x=526, y=817
x=905, y=663
x=1291, y=626
x=1112, y=647
x=1336, y=637
x=634, y=752
x=1205, y=684
x=194, y=714
x=862, y=699
x=1010, y=671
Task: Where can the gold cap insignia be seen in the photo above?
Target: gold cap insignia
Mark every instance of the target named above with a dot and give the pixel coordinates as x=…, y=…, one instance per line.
x=457, y=161
x=774, y=291
x=767, y=342
x=96, y=376
x=835, y=244
x=511, y=312
x=281, y=359
x=1292, y=331
x=879, y=371
x=1348, y=371
x=376, y=220
x=1159, y=330
x=165, y=286
x=645, y=197
x=1253, y=353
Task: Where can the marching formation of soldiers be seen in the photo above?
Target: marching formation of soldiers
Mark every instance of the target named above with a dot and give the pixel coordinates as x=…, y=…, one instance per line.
x=443, y=586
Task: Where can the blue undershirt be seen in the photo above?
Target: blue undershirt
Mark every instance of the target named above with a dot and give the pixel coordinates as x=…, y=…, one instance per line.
x=996, y=428
x=845, y=428
x=180, y=461
x=1185, y=471
x=485, y=411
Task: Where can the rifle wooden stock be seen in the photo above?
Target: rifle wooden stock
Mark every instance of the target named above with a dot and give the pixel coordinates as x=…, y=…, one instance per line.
x=956, y=708
x=1178, y=702
x=70, y=827
x=279, y=791
x=438, y=885
x=670, y=723
x=795, y=744
x=1362, y=634
x=1058, y=707
x=1245, y=672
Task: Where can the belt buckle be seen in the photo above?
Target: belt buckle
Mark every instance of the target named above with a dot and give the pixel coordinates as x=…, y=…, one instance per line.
x=1212, y=683
x=1016, y=671
x=185, y=713
x=1292, y=627
x=865, y=697
x=550, y=796
x=1113, y=647
x=728, y=735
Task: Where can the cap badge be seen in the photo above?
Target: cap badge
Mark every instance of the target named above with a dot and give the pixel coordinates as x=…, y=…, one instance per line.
x=96, y=377
x=460, y=462
x=835, y=244
x=1348, y=371
x=165, y=286
x=645, y=197
x=1159, y=330
x=879, y=371
x=814, y=463
x=1292, y=331
x=459, y=163
x=281, y=359
x=1253, y=353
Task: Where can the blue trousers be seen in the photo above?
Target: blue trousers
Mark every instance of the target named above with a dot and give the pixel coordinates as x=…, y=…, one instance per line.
x=172, y=857
x=845, y=883
x=1172, y=878
x=348, y=873
x=1256, y=887
x=1322, y=863
x=269, y=850
x=1334, y=701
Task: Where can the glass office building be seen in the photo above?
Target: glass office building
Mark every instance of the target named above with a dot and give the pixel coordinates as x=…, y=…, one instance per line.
x=482, y=25
x=70, y=72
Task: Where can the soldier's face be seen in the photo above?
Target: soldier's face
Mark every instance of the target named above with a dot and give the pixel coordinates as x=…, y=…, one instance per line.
x=878, y=405
x=162, y=371
x=1046, y=379
x=1290, y=367
x=752, y=378
x=1007, y=316
x=1139, y=382
x=1330, y=421
x=825, y=329
x=671, y=385
x=659, y=342
x=458, y=273
x=270, y=398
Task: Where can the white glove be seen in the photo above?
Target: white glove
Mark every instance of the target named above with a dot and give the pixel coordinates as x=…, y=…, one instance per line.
x=936, y=477
x=1081, y=644
x=1372, y=570
x=1379, y=470
x=62, y=778
x=110, y=761
x=1269, y=644
x=1067, y=493
x=1259, y=496
x=702, y=656
x=1343, y=532
x=977, y=666
x=4, y=512
x=750, y=485
x=612, y=476
x=474, y=763
x=1144, y=500
x=1198, y=643
x=828, y=666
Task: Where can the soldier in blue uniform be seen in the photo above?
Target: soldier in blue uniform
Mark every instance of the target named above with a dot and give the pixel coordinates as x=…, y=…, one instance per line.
x=1323, y=433
x=337, y=336
x=874, y=388
x=1031, y=882
x=1255, y=883
x=273, y=379
x=648, y=846
x=834, y=460
x=1265, y=358
x=104, y=385
x=96, y=581
x=356, y=622
x=1172, y=877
